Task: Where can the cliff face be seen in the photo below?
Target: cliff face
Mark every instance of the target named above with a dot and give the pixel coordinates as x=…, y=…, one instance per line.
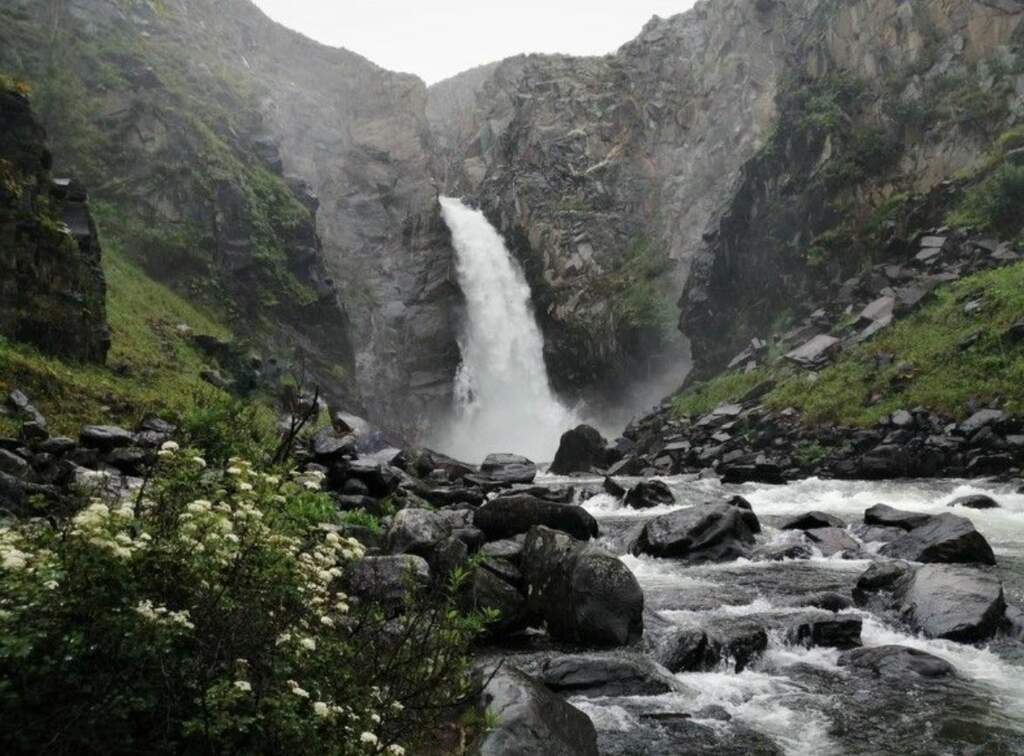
x=51, y=284
x=616, y=177
x=242, y=146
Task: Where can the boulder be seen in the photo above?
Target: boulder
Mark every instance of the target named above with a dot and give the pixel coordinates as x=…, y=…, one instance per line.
x=896, y=663
x=880, y=576
x=832, y=541
x=740, y=643
x=975, y=501
x=530, y=720
x=888, y=517
x=581, y=449
x=105, y=437
x=486, y=590
x=327, y=445
x=841, y=632
x=416, y=531
x=943, y=538
x=716, y=533
x=811, y=520
x=649, y=493
x=509, y=468
x=386, y=579
x=12, y=464
x=506, y=548
x=584, y=594
x=980, y=419
x=951, y=601
x=613, y=488
x=602, y=675
x=507, y=516
x=815, y=352
x=678, y=648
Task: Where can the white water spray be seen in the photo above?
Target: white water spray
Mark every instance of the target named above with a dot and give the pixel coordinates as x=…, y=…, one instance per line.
x=504, y=401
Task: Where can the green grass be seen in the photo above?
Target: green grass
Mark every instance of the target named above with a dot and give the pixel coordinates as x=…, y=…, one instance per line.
x=929, y=369
x=727, y=387
x=150, y=367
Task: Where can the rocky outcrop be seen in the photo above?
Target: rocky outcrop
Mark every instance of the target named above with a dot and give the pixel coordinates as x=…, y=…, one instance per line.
x=52, y=288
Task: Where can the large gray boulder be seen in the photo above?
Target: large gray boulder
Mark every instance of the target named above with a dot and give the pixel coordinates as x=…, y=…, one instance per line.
x=943, y=538
x=897, y=663
x=811, y=520
x=530, y=720
x=602, y=674
x=649, y=493
x=486, y=590
x=832, y=541
x=584, y=594
x=581, y=449
x=509, y=468
x=952, y=601
x=885, y=516
x=716, y=533
x=506, y=516
x=386, y=580
x=416, y=531
x=105, y=437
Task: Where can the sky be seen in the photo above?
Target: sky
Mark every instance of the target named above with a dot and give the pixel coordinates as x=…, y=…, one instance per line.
x=435, y=39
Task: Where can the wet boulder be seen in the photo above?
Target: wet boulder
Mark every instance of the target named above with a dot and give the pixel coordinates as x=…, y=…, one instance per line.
x=105, y=437
x=951, y=601
x=716, y=533
x=975, y=501
x=649, y=493
x=487, y=590
x=386, y=579
x=740, y=643
x=840, y=632
x=531, y=720
x=896, y=663
x=584, y=594
x=833, y=541
x=945, y=538
x=509, y=468
x=678, y=648
x=506, y=516
x=327, y=445
x=581, y=449
x=885, y=516
x=811, y=520
x=880, y=576
x=595, y=675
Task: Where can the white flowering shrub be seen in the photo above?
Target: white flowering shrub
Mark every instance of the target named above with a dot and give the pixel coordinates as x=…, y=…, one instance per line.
x=206, y=615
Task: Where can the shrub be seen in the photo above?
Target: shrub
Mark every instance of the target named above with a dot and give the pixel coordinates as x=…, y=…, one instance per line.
x=203, y=615
x=225, y=426
x=995, y=203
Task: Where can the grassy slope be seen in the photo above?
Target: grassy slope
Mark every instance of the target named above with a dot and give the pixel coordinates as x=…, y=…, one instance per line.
x=150, y=368
x=929, y=370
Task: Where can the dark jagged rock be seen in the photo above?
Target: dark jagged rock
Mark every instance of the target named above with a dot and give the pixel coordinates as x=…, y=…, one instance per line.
x=386, y=579
x=581, y=449
x=880, y=576
x=714, y=533
x=811, y=520
x=741, y=642
x=507, y=516
x=896, y=663
x=487, y=590
x=584, y=594
x=532, y=721
x=832, y=541
x=613, y=488
x=677, y=648
x=975, y=501
x=942, y=538
x=105, y=437
x=885, y=516
x=416, y=531
x=649, y=493
x=952, y=601
x=842, y=632
x=509, y=468
x=595, y=675
x=327, y=446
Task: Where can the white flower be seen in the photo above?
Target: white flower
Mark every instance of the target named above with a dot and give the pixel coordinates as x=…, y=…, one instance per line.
x=14, y=560
x=234, y=470
x=51, y=585
x=243, y=685
x=325, y=620
x=169, y=446
x=245, y=486
x=321, y=709
x=308, y=643
x=369, y=738
x=396, y=750
x=198, y=461
x=300, y=692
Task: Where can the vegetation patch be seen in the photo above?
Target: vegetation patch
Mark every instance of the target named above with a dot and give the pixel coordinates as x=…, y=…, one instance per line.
x=727, y=387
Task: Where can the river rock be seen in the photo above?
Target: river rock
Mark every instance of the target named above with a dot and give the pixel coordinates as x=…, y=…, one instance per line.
x=841, y=632
x=832, y=541
x=386, y=579
x=596, y=675
x=952, y=601
x=888, y=517
x=943, y=538
x=741, y=642
x=327, y=445
x=896, y=662
x=487, y=590
x=649, y=493
x=509, y=468
x=506, y=548
x=613, y=488
x=715, y=533
x=811, y=520
x=533, y=721
x=583, y=593
x=581, y=449
x=507, y=516
x=12, y=464
x=975, y=501
x=416, y=531
x=678, y=648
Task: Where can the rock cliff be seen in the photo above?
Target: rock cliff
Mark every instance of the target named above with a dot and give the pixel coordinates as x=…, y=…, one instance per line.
x=51, y=284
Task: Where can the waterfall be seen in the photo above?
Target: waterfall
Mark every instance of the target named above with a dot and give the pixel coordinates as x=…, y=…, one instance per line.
x=503, y=399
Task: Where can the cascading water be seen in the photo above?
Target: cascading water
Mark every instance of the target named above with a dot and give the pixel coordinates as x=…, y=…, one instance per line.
x=504, y=401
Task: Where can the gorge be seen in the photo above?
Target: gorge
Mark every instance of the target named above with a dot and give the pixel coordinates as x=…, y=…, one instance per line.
x=663, y=401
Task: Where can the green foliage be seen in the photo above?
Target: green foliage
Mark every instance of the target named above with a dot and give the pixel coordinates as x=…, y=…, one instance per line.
x=727, y=387
x=640, y=302
x=995, y=203
x=930, y=368
x=225, y=426
x=808, y=453
x=825, y=105
x=361, y=518
x=204, y=615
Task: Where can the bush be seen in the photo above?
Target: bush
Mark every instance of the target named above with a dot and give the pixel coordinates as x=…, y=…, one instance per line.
x=225, y=426
x=995, y=203
x=203, y=615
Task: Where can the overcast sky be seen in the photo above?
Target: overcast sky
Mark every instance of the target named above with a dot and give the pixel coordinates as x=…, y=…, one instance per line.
x=436, y=39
